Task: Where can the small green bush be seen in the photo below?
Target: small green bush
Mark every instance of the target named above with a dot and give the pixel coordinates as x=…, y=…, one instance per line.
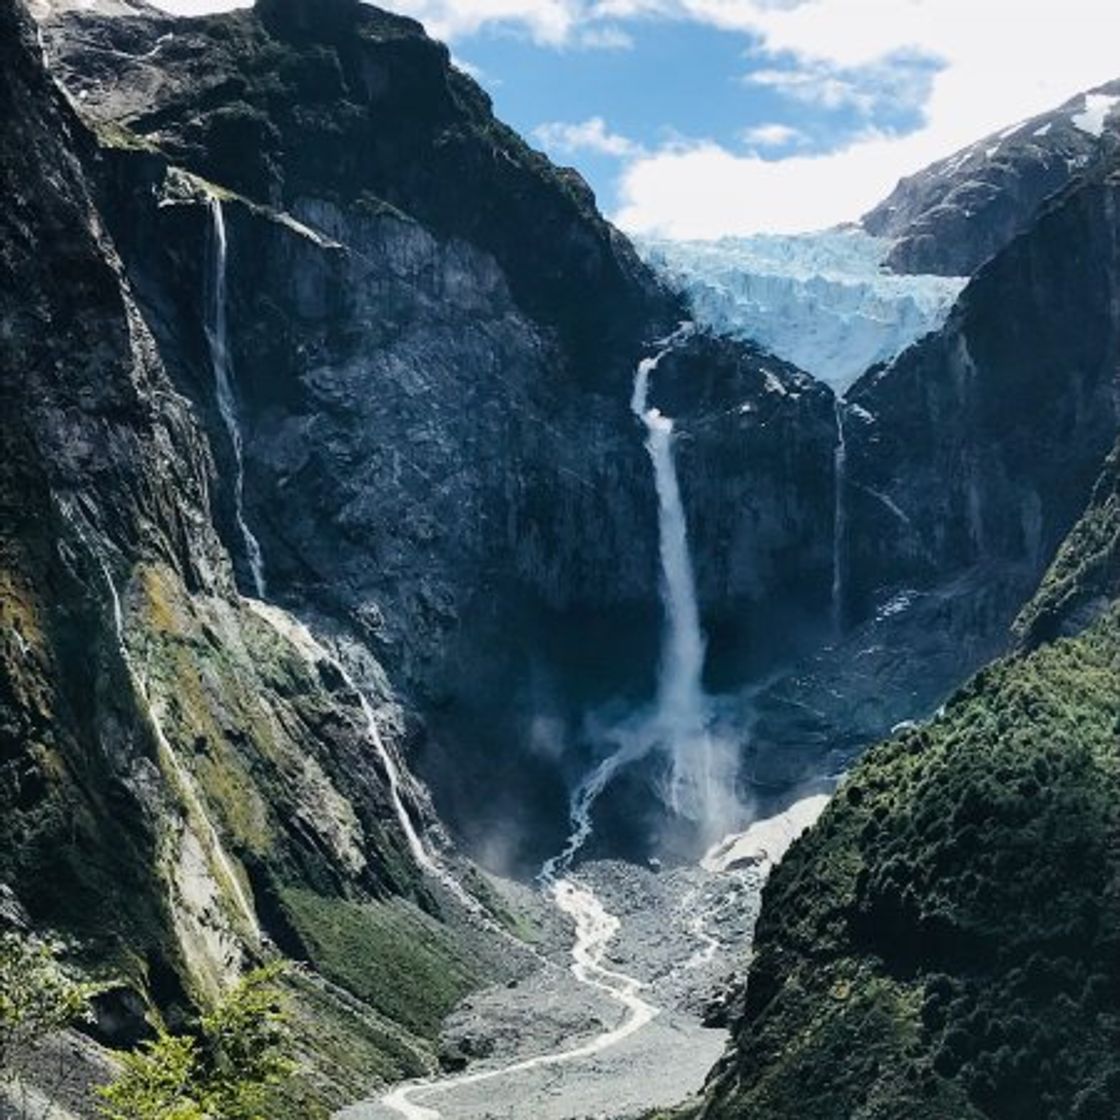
x=226, y=1071
x=37, y=996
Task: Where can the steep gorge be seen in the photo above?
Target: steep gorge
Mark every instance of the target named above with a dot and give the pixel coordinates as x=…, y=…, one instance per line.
x=429, y=339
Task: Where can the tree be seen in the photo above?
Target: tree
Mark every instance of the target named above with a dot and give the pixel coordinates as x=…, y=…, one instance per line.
x=156, y=1082
x=37, y=998
x=224, y=1072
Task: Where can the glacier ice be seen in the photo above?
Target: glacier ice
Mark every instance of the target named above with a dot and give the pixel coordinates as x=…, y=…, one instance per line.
x=824, y=301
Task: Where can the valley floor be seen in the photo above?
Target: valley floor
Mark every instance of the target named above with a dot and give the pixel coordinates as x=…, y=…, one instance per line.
x=681, y=936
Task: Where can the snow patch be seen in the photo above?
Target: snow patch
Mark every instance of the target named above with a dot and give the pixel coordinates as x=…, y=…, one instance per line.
x=824, y=301
x=765, y=842
x=1097, y=108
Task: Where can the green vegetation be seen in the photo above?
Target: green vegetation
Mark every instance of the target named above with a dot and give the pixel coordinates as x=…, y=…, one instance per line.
x=118, y=137
x=37, y=996
x=946, y=943
x=227, y=1071
x=391, y=955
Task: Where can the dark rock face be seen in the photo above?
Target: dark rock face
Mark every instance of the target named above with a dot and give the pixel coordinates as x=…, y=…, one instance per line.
x=87, y=433
x=337, y=101
x=982, y=443
x=434, y=336
x=173, y=763
x=748, y=426
x=959, y=212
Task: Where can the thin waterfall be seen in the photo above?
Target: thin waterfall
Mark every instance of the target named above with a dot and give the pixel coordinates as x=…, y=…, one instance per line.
x=217, y=335
x=397, y=778
x=840, y=520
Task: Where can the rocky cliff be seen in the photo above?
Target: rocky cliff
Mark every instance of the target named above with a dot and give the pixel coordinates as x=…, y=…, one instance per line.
x=189, y=780
x=433, y=335
x=980, y=444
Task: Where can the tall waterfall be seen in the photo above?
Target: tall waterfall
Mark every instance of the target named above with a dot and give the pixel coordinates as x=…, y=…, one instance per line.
x=840, y=520
x=702, y=768
x=217, y=336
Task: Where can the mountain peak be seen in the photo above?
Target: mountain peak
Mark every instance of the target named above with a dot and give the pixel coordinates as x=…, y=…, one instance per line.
x=954, y=215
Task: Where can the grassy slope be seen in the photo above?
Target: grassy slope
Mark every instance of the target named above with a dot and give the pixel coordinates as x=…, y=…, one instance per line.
x=946, y=943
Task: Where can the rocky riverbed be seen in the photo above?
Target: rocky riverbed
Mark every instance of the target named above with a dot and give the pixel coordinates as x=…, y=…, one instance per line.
x=620, y=1020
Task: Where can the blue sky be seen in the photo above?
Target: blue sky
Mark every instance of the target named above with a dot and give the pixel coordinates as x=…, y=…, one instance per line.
x=671, y=82
x=699, y=118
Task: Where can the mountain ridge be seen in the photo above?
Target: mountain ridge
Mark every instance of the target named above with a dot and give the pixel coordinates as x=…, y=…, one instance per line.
x=459, y=537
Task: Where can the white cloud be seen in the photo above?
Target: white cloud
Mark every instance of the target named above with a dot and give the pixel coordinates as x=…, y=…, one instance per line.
x=592, y=135
x=899, y=82
x=1002, y=60
x=706, y=191
x=473, y=71
x=548, y=22
x=772, y=135
x=606, y=38
x=813, y=85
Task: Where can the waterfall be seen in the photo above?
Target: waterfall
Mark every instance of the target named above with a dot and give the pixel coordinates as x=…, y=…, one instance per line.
x=583, y=801
x=840, y=520
x=702, y=769
x=217, y=336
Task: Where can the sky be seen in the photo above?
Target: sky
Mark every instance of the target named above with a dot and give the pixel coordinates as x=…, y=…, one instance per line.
x=704, y=118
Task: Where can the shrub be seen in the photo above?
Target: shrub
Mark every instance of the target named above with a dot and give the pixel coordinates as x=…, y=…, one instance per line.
x=226, y=1072
x=37, y=996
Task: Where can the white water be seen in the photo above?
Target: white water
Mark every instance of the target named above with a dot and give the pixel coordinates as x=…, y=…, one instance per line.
x=702, y=770
x=217, y=335
x=583, y=801
x=840, y=520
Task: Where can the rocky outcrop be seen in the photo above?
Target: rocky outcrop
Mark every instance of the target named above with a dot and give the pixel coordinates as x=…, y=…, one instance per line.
x=960, y=211
x=981, y=444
